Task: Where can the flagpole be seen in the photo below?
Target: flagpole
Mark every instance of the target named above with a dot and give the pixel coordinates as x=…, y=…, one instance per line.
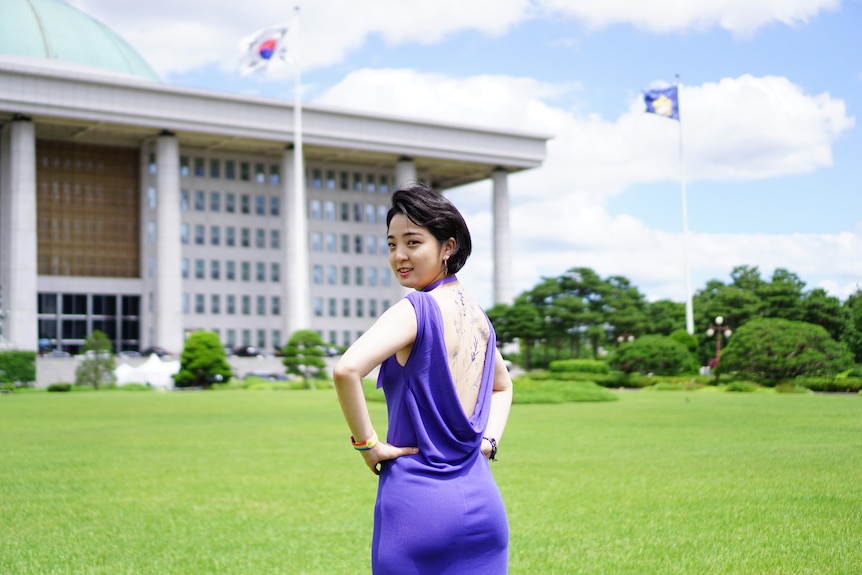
x=300, y=304
x=689, y=307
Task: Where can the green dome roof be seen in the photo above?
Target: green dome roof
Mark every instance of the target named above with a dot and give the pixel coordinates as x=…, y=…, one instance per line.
x=54, y=30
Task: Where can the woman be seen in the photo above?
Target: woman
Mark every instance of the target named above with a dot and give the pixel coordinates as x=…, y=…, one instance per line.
x=448, y=395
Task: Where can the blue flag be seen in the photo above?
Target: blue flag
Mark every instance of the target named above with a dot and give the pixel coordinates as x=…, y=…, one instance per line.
x=663, y=102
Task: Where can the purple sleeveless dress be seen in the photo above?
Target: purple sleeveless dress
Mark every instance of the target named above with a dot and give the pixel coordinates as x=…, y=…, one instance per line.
x=438, y=511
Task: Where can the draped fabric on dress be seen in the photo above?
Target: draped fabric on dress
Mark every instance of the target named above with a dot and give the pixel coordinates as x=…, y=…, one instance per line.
x=437, y=512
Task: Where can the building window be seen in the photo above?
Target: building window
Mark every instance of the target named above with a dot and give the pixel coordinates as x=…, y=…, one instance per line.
x=318, y=306
x=316, y=242
x=333, y=307
x=317, y=274
x=199, y=303
x=274, y=239
x=151, y=267
x=360, y=308
x=246, y=305
x=260, y=205
x=360, y=276
x=230, y=203
x=215, y=235
x=245, y=238
x=329, y=211
x=200, y=205
x=215, y=304
x=215, y=168
x=385, y=305
x=185, y=303
x=151, y=197
x=357, y=213
x=316, y=178
x=384, y=184
x=276, y=307
x=230, y=236
x=231, y=307
x=231, y=337
x=345, y=244
x=383, y=245
x=372, y=308
x=372, y=277
x=246, y=337
x=215, y=202
x=245, y=171
x=344, y=180
x=260, y=269
x=184, y=234
x=200, y=235
x=316, y=210
x=331, y=275
x=357, y=244
x=274, y=206
x=261, y=338
x=330, y=179
x=260, y=173
x=199, y=270
x=246, y=271
x=276, y=338
x=230, y=270
x=345, y=307
x=330, y=243
x=345, y=337
x=385, y=277
x=274, y=177
x=370, y=211
x=369, y=183
x=151, y=232
x=261, y=305
x=275, y=272
x=357, y=182
x=345, y=212
x=260, y=238
x=345, y=276
x=215, y=269
x=199, y=168
x=371, y=244
x=184, y=266
x=245, y=204
x=184, y=200
x=184, y=166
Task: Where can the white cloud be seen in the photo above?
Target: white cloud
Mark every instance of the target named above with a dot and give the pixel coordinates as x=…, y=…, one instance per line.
x=770, y=128
x=181, y=35
x=737, y=16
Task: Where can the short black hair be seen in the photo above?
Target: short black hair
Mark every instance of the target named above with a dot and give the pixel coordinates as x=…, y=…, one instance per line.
x=434, y=212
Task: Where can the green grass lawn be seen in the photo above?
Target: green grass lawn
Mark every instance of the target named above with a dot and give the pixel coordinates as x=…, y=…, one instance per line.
x=266, y=482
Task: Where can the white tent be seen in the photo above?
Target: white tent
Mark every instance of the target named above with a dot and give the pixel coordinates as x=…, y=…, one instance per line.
x=153, y=372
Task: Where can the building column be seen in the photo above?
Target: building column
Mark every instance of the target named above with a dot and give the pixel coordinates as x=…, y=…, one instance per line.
x=405, y=171
x=169, y=282
x=502, y=239
x=18, y=237
x=297, y=313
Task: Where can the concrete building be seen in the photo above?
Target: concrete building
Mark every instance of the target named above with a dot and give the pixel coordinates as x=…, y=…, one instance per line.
x=148, y=211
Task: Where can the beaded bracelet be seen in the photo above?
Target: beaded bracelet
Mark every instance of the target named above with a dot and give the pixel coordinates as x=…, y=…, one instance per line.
x=365, y=445
x=493, y=443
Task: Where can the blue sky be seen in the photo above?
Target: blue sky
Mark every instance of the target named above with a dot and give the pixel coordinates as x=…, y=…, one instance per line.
x=770, y=101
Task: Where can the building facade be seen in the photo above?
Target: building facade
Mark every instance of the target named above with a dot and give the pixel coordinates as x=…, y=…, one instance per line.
x=148, y=211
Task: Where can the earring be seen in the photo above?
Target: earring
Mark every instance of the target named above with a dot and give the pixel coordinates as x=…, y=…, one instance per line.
x=446, y=265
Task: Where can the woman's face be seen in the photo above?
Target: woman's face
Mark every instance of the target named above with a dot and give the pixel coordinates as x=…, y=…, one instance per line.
x=415, y=254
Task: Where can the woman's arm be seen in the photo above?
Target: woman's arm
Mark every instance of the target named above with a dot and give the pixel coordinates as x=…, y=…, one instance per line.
x=501, y=403
x=394, y=331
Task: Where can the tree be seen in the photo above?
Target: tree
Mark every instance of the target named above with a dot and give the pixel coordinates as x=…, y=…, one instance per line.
x=782, y=297
x=97, y=367
x=665, y=316
x=17, y=367
x=657, y=354
x=303, y=356
x=202, y=362
x=774, y=349
x=852, y=333
x=824, y=310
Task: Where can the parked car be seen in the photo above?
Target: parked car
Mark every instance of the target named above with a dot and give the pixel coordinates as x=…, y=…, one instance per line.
x=159, y=351
x=267, y=375
x=247, y=351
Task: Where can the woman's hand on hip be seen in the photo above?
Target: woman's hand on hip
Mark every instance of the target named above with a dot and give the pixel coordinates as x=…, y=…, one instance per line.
x=384, y=452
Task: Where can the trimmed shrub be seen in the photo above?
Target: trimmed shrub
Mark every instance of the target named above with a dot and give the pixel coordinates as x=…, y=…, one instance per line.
x=60, y=387
x=579, y=365
x=791, y=388
x=656, y=354
x=829, y=384
x=527, y=390
x=741, y=386
x=17, y=367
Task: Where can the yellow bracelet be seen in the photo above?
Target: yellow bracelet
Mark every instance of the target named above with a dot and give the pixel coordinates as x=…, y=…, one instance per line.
x=365, y=445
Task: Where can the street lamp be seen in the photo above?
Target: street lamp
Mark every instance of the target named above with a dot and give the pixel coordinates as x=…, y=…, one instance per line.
x=716, y=330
